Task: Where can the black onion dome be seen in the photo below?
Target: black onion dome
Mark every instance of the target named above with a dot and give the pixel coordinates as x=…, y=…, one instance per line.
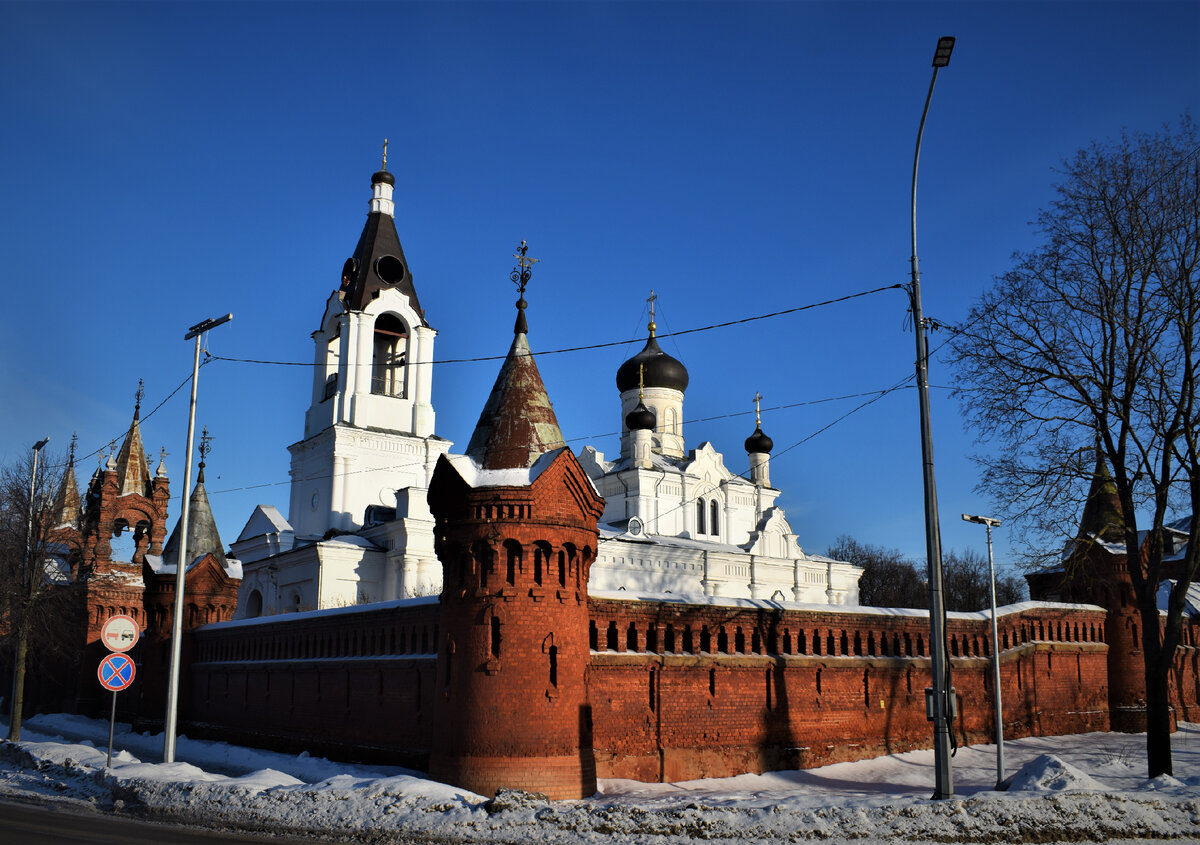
x=383, y=176
x=640, y=418
x=660, y=370
x=759, y=442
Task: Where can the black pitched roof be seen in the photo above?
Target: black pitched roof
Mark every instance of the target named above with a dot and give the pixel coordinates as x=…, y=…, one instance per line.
x=378, y=263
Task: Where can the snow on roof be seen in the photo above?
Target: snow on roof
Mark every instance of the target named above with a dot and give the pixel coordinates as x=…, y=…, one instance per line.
x=158, y=566
x=768, y=604
x=266, y=519
x=328, y=611
x=476, y=476
x=1191, y=600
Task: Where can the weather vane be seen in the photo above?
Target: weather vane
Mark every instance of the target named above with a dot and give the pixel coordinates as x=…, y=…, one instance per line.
x=524, y=270
x=141, y=391
x=205, y=444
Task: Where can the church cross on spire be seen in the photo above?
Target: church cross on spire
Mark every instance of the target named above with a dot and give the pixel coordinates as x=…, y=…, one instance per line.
x=757, y=409
x=641, y=382
x=650, y=300
x=385, y=143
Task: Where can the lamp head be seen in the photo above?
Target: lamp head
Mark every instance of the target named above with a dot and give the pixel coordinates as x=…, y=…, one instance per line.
x=981, y=520
x=941, y=56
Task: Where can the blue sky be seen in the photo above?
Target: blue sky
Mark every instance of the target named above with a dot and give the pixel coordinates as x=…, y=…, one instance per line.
x=165, y=163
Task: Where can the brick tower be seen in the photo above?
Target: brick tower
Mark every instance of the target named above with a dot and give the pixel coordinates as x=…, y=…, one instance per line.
x=1095, y=572
x=124, y=521
x=516, y=536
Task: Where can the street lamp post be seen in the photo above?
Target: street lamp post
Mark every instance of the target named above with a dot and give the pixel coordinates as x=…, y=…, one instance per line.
x=22, y=646
x=990, y=524
x=941, y=710
x=181, y=565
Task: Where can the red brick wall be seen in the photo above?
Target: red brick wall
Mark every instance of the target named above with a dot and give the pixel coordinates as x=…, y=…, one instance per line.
x=764, y=700
x=362, y=683
x=354, y=683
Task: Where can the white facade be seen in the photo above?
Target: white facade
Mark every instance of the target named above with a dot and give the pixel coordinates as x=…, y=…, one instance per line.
x=658, y=534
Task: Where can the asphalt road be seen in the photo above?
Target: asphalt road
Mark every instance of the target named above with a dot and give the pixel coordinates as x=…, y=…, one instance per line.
x=55, y=824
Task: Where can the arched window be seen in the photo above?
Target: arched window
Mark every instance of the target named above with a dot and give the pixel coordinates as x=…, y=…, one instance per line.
x=254, y=604
x=714, y=519
x=390, y=351
x=512, y=551
x=699, y=517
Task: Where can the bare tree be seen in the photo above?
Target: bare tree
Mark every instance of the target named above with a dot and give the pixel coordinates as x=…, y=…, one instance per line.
x=1090, y=343
x=35, y=579
x=965, y=582
x=888, y=579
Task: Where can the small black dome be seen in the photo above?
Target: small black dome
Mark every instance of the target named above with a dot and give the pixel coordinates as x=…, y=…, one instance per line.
x=640, y=418
x=759, y=442
x=660, y=370
x=382, y=176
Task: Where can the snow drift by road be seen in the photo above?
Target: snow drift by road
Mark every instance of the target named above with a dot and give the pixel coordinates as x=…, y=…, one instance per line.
x=1077, y=788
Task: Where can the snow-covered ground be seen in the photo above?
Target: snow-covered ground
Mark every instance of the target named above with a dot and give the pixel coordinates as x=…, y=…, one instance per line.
x=1090, y=787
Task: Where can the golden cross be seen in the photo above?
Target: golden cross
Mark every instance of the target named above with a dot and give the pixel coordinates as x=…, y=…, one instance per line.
x=385, y=140
x=651, y=300
x=757, y=409
x=641, y=377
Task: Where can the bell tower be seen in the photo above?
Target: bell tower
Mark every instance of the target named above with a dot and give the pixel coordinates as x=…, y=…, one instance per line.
x=369, y=446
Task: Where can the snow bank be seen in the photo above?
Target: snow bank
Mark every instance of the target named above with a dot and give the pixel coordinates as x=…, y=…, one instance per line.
x=1067, y=789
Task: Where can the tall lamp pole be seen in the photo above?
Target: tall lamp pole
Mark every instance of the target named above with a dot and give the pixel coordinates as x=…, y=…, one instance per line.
x=22, y=648
x=172, y=716
x=990, y=524
x=941, y=709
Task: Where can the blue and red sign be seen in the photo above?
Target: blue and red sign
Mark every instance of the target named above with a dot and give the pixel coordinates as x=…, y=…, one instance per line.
x=116, y=672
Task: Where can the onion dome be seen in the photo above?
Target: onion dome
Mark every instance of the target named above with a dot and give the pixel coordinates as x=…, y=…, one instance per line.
x=640, y=418
x=759, y=442
x=382, y=176
x=658, y=369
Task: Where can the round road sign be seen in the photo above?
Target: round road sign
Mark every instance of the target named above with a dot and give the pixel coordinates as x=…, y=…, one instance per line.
x=116, y=672
x=119, y=633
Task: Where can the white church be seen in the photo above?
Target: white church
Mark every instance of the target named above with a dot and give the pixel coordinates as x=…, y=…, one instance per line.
x=359, y=530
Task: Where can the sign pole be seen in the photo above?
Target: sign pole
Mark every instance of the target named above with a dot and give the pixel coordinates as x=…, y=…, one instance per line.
x=112, y=721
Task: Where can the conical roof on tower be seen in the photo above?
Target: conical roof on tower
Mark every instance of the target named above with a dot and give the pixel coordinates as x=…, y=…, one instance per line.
x=378, y=261
x=1103, y=518
x=517, y=425
x=66, y=503
x=133, y=473
x=202, y=535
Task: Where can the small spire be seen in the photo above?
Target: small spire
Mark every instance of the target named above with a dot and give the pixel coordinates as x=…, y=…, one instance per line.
x=111, y=463
x=520, y=277
x=137, y=400
x=161, y=472
x=651, y=300
x=385, y=143
x=205, y=448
